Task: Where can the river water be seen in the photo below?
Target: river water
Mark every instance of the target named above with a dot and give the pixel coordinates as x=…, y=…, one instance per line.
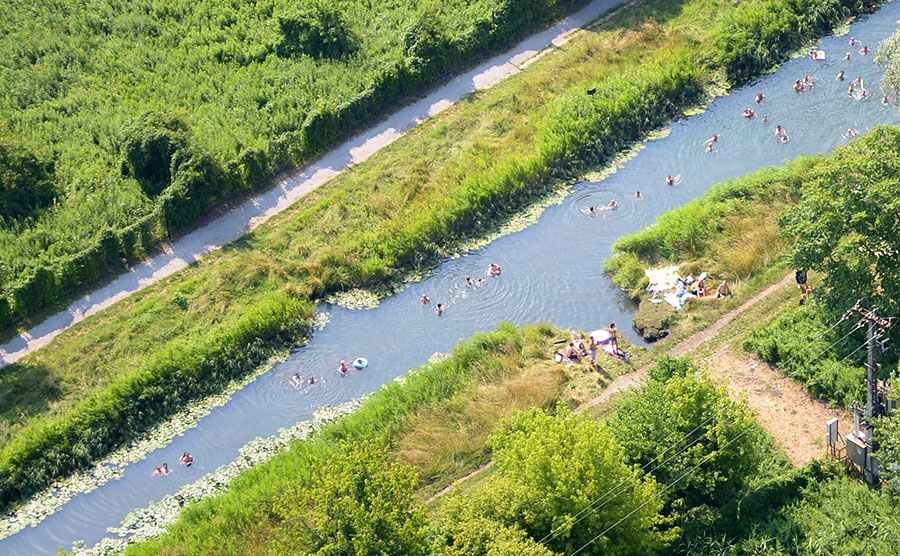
x=551, y=272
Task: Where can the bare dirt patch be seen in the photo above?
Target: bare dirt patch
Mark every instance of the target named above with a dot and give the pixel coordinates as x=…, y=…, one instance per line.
x=783, y=407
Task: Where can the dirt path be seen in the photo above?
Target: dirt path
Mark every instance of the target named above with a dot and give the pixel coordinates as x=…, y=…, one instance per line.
x=782, y=405
x=259, y=208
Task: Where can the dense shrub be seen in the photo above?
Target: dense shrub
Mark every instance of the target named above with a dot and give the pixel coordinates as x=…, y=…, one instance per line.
x=317, y=29
x=758, y=34
x=26, y=181
x=149, y=145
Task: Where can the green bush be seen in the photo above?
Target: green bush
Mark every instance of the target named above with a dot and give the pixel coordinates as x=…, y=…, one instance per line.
x=26, y=181
x=149, y=145
x=759, y=34
x=317, y=29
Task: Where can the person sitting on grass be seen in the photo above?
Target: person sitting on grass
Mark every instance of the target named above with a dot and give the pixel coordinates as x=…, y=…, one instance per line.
x=805, y=290
x=701, y=288
x=722, y=291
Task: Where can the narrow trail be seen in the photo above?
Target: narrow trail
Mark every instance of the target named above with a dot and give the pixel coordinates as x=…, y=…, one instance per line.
x=784, y=408
x=259, y=208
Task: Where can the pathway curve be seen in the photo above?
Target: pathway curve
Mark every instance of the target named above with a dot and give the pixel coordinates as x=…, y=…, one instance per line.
x=259, y=208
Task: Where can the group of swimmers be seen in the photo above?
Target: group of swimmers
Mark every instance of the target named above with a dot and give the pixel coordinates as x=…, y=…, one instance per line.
x=185, y=459
x=297, y=380
x=439, y=308
x=577, y=350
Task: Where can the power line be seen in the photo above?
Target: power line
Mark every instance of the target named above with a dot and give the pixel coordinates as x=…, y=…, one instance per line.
x=660, y=493
x=603, y=500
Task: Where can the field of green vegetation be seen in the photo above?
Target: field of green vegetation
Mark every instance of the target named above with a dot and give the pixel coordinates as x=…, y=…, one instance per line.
x=448, y=179
x=124, y=122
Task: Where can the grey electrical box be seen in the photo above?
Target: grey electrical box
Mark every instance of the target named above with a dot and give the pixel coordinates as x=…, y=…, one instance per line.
x=831, y=432
x=856, y=450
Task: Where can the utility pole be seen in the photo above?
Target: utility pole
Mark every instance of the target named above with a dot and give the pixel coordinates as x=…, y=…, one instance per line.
x=876, y=329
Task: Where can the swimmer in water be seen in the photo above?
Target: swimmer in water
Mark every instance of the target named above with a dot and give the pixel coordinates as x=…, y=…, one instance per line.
x=187, y=459
x=853, y=41
x=858, y=81
x=847, y=56
x=781, y=134
x=749, y=114
x=312, y=380
x=343, y=368
x=670, y=181
x=592, y=211
x=884, y=100
x=714, y=138
x=759, y=97
x=439, y=309
x=494, y=270
x=840, y=76
x=851, y=133
x=709, y=147
x=864, y=50
x=851, y=90
x=765, y=118
x=798, y=87
x=469, y=282
x=613, y=205
x=425, y=300
x=638, y=196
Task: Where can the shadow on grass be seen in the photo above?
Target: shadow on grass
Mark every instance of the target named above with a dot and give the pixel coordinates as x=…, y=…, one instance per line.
x=25, y=390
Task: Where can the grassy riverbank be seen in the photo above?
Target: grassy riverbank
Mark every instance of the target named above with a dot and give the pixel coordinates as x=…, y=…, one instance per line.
x=737, y=231
x=397, y=213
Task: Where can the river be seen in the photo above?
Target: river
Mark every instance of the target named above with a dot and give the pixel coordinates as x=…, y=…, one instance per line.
x=552, y=271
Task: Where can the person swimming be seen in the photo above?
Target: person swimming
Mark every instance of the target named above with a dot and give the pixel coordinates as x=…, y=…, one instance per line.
x=854, y=42
x=749, y=113
x=864, y=50
x=851, y=90
x=858, y=81
x=494, y=270
x=425, y=300
x=312, y=380
x=592, y=211
x=670, y=181
x=760, y=97
x=638, y=196
x=343, y=368
x=709, y=147
x=884, y=100
x=469, y=282
x=439, y=309
x=781, y=134
x=187, y=459
x=851, y=133
x=847, y=56
x=798, y=86
x=765, y=118
x=613, y=205
x=713, y=139
x=840, y=76
x=164, y=470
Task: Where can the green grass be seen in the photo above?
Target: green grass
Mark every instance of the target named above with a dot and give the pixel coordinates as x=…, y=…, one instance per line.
x=448, y=179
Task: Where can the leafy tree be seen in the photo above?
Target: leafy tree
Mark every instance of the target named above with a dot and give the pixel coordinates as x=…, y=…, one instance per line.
x=359, y=503
x=26, y=182
x=848, y=223
x=547, y=470
x=888, y=56
x=318, y=30
x=679, y=400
